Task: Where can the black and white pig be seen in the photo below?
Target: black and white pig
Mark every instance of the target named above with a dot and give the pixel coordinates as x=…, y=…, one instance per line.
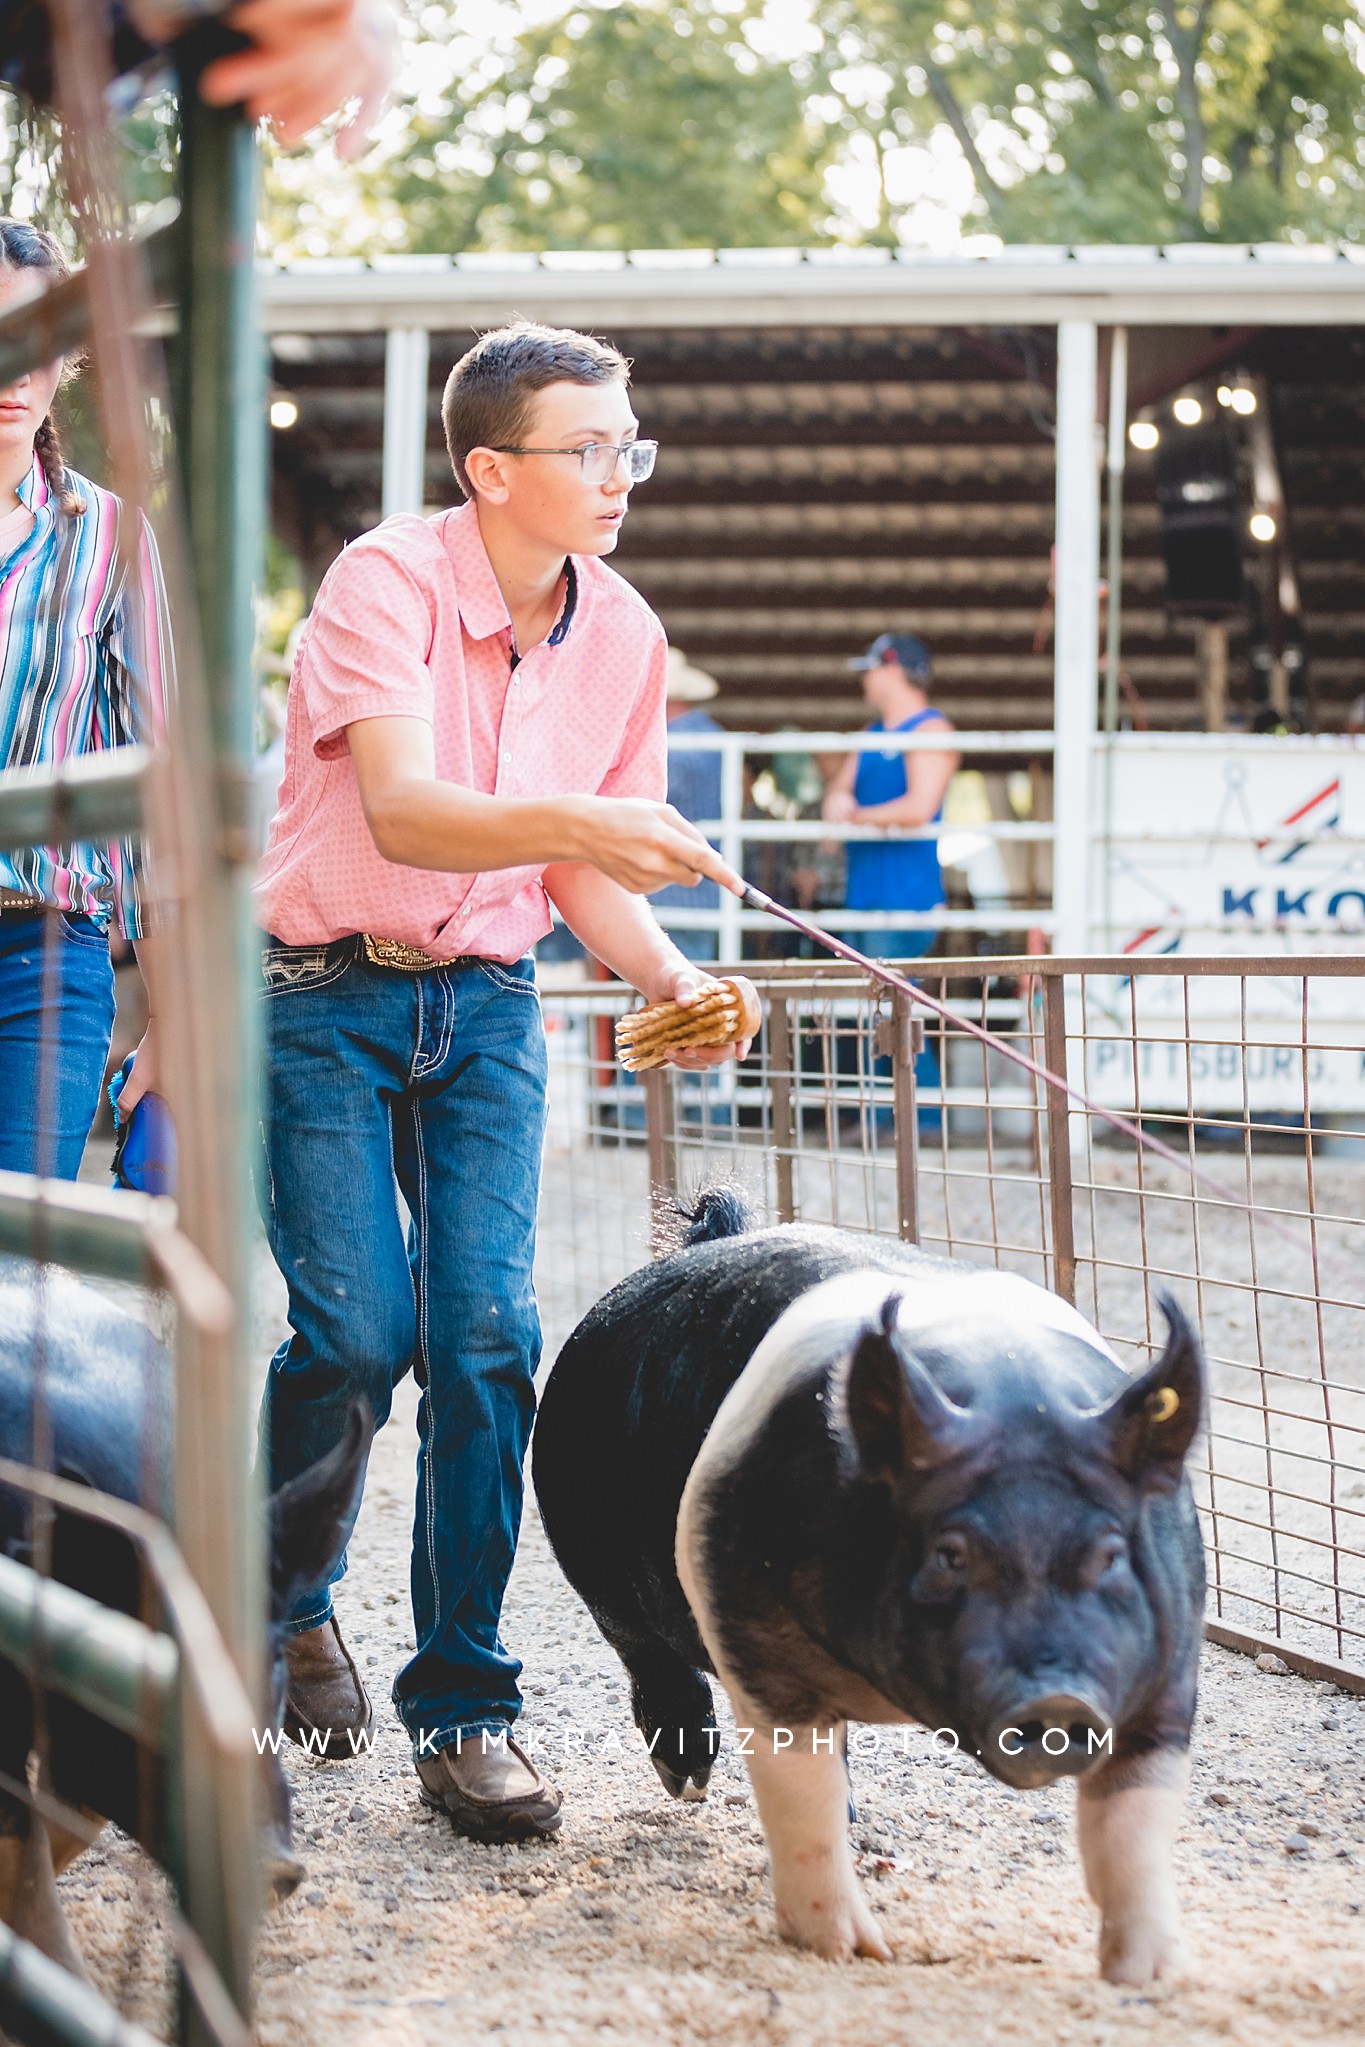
x=858, y=1482
x=108, y=1390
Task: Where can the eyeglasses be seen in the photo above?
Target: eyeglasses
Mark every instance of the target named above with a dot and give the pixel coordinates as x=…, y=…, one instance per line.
x=598, y=459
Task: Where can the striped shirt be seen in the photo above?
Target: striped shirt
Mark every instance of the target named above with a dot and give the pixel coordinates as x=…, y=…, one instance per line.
x=85, y=655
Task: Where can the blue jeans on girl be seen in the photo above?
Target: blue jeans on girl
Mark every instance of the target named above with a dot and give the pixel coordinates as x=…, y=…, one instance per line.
x=54, y=1039
x=432, y=1085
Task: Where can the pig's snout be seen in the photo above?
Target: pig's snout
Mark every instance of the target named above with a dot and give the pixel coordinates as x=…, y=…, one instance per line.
x=1041, y=1739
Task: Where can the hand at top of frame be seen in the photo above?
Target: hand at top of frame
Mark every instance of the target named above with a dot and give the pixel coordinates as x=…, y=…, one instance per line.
x=309, y=59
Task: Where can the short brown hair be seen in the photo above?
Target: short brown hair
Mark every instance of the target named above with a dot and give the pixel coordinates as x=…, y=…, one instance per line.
x=489, y=393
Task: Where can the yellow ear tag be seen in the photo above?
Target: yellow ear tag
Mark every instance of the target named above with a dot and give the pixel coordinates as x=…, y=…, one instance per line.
x=1162, y=1404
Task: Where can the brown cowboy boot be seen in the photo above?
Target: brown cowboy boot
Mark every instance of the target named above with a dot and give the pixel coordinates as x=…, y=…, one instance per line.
x=490, y=1790
x=326, y=1709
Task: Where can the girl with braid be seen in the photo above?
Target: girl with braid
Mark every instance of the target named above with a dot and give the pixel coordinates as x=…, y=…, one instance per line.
x=85, y=655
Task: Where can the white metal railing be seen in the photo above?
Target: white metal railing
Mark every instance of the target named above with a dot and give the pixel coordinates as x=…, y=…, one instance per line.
x=1289, y=769
x=732, y=831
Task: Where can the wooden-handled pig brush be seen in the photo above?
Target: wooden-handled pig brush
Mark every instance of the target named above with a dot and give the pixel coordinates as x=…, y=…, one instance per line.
x=723, y=1013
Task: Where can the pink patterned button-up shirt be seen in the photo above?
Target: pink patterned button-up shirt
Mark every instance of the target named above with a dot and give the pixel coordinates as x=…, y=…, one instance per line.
x=410, y=623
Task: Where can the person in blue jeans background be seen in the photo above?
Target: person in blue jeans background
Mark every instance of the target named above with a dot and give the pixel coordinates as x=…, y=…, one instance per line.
x=85, y=659
x=888, y=789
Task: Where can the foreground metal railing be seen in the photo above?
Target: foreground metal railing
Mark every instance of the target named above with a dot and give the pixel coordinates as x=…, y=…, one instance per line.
x=187, y=1691
x=853, y=1111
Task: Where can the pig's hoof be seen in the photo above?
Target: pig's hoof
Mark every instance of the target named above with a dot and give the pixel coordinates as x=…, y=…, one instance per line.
x=283, y=1874
x=672, y=1706
x=837, y=1928
x=681, y=1784
x=1140, y=1955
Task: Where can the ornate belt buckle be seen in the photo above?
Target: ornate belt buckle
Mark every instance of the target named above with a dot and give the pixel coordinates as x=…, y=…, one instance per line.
x=391, y=952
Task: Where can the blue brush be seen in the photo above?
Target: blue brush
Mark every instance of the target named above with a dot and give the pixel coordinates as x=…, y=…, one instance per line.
x=144, y=1150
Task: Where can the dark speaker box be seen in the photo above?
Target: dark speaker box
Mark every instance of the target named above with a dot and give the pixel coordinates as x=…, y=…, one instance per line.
x=1201, y=527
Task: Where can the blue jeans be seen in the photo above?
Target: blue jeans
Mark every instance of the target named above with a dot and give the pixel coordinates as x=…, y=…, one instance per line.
x=890, y=945
x=435, y=1082
x=894, y=947
x=54, y=1039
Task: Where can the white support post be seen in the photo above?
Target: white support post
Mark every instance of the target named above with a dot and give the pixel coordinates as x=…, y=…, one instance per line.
x=1114, y=464
x=405, y=419
x=1078, y=644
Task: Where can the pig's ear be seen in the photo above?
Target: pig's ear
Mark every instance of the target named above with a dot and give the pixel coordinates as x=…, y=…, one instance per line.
x=898, y=1416
x=1153, y=1421
x=312, y=1516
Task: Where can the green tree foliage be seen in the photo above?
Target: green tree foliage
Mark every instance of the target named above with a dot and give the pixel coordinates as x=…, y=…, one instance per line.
x=1238, y=120
x=31, y=175
x=664, y=123
x=671, y=123
x=30, y=167
x=650, y=126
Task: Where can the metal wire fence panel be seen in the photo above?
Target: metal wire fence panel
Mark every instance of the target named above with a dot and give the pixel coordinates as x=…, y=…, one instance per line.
x=850, y=1111
x=595, y=1202
x=1252, y=1078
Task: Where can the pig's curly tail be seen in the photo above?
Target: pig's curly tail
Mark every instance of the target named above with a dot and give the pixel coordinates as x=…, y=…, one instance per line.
x=716, y=1212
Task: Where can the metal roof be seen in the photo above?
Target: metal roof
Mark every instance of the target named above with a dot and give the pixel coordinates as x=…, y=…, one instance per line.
x=1185, y=284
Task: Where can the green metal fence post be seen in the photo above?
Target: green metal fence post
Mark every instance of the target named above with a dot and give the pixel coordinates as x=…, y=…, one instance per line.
x=219, y=389
x=189, y=794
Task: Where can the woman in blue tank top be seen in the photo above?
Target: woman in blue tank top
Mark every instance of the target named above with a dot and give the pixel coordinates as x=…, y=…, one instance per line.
x=890, y=789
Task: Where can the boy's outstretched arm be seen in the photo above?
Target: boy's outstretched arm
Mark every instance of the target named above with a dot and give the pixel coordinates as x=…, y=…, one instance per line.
x=621, y=930
x=418, y=820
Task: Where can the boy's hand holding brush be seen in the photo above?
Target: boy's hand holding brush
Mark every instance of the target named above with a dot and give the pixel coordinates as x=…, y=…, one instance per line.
x=704, y=1022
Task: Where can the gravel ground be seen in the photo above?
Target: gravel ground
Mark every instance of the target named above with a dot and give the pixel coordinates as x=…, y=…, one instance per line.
x=648, y=1920
x=651, y=1920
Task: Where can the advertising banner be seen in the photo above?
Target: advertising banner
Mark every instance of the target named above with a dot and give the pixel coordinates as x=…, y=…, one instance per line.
x=1253, y=850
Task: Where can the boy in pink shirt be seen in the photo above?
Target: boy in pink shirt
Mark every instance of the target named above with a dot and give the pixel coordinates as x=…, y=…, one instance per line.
x=476, y=728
